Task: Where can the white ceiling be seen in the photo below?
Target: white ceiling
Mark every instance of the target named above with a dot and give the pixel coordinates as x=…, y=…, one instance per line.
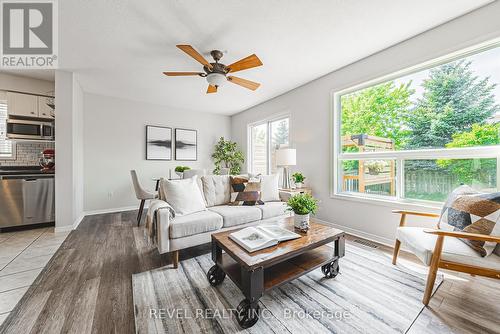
x=120, y=47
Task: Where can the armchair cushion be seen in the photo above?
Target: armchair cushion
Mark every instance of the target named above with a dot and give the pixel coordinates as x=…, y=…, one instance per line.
x=473, y=213
x=422, y=245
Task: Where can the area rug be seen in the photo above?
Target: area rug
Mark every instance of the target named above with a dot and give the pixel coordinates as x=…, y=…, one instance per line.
x=370, y=295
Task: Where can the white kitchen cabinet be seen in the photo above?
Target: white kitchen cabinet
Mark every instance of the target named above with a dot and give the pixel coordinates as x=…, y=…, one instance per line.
x=22, y=104
x=44, y=111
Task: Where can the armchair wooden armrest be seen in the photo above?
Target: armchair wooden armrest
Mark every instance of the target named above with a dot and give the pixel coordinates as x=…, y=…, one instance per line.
x=416, y=213
x=465, y=235
x=403, y=214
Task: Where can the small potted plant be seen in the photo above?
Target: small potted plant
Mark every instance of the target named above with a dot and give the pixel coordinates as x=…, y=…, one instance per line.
x=302, y=205
x=179, y=170
x=298, y=179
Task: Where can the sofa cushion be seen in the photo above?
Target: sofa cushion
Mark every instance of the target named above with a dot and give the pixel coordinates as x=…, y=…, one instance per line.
x=195, y=223
x=272, y=209
x=237, y=215
x=269, y=188
x=245, y=191
x=216, y=189
x=422, y=245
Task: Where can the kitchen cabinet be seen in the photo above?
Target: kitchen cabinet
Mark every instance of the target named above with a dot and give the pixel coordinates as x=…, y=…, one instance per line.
x=27, y=105
x=44, y=111
x=22, y=104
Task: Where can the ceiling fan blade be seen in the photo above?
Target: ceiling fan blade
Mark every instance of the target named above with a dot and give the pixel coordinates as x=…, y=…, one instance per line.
x=194, y=54
x=245, y=63
x=244, y=82
x=211, y=89
x=177, y=74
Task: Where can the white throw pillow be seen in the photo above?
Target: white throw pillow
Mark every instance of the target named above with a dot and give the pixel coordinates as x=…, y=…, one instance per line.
x=184, y=196
x=269, y=188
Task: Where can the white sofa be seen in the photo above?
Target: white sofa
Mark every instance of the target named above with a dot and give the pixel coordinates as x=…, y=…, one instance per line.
x=196, y=228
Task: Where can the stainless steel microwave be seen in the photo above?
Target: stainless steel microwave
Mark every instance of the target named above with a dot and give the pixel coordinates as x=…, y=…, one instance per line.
x=33, y=130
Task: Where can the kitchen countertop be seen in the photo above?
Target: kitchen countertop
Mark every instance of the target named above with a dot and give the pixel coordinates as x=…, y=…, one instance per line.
x=24, y=170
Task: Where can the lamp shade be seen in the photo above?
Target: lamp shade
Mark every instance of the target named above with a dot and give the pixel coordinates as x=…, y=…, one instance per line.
x=286, y=157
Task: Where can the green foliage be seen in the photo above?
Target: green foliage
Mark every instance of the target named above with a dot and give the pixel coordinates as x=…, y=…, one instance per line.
x=182, y=169
x=453, y=100
x=302, y=204
x=298, y=177
x=469, y=170
x=382, y=110
x=227, y=155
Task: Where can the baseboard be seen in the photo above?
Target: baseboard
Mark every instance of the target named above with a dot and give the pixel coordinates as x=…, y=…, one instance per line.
x=66, y=228
x=70, y=227
x=94, y=212
x=361, y=234
x=112, y=210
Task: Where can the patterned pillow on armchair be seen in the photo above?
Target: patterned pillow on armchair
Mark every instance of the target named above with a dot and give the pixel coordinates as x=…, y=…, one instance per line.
x=472, y=212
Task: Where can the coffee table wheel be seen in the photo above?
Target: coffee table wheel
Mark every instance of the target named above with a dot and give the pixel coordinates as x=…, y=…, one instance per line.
x=247, y=314
x=215, y=275
x=330, y=270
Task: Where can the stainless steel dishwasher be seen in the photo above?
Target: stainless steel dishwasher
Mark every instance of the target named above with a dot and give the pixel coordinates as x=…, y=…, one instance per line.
x=26, y=200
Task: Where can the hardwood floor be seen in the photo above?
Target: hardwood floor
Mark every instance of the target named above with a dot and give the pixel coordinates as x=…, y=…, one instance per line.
x=86, y=286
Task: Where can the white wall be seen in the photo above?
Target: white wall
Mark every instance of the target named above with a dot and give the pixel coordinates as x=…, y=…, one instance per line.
x=114, y=143
x=310, y=108
x=25, y=84
x=69, y=171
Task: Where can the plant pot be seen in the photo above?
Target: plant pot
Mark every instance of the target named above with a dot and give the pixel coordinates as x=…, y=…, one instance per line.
x=301, y=222
x=373, y=172
x=298, y=185
x=180, y=174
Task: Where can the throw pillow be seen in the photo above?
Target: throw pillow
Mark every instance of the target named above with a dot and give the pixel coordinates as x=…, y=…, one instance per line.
x=184, y=196
x=269, y=188
x=245, y=191
x=457, y=192
x=474, y=213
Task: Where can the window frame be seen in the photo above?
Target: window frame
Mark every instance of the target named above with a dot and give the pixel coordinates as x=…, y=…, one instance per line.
x=12, y=155
x=268, y=121
x=337, y=156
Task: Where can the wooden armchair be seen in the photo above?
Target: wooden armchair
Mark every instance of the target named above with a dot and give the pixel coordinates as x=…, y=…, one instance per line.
x=443, y=249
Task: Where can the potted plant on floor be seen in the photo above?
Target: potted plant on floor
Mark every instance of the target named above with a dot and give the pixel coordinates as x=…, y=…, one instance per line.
x=298, y=179
x=302, y=205
x=179, y=170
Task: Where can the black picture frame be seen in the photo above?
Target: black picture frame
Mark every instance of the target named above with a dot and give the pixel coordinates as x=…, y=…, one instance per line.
x=186, y=144
x=158, y=137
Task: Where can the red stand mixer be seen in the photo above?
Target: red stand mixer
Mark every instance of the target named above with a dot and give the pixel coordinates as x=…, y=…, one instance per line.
x=48, y=160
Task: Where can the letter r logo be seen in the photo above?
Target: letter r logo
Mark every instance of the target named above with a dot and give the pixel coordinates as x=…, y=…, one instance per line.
x=27, y=28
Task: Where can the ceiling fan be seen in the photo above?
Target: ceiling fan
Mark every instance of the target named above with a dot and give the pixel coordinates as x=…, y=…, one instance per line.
x=217, y=73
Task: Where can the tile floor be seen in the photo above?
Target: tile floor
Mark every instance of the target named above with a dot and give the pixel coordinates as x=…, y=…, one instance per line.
x=23, y=255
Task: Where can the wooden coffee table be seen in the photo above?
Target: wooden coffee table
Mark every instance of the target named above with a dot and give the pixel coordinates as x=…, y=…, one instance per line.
x=257, y=272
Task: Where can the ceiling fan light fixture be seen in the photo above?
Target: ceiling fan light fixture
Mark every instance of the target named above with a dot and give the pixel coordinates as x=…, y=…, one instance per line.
x=216, y=79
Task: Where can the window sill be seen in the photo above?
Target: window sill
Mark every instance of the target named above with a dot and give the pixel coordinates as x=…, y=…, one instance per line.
x=390, y=202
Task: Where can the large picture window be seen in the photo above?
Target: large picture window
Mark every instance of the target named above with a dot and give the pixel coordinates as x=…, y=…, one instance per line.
x=264, y=138
x=418, y=135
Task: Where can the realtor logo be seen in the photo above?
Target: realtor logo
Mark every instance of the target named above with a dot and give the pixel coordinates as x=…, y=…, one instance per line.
x=29, y=34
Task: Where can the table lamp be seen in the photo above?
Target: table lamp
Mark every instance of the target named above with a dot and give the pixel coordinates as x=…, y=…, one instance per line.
x=285, y=158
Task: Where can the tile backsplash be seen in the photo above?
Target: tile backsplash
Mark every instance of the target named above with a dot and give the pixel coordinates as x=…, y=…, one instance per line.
x=27, y=153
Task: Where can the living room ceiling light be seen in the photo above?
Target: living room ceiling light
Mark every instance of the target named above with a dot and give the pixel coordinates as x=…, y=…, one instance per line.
x=216, y=79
